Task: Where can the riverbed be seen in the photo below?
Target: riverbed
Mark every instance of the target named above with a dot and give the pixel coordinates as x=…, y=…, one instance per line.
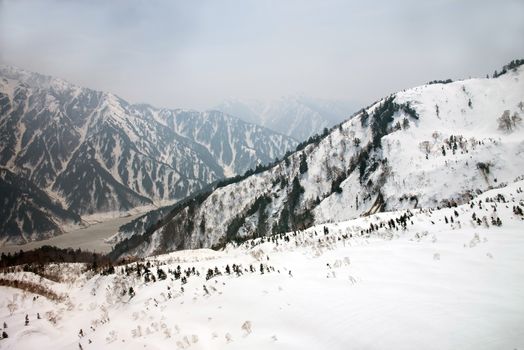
x=91, y=238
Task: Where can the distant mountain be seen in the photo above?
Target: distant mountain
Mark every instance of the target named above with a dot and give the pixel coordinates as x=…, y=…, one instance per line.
x=92, y=152
x=431, y=146
x=298, y=117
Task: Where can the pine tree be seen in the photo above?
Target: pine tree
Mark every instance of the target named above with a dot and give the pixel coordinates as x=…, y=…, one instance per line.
x=161, y=274
x=303, y=164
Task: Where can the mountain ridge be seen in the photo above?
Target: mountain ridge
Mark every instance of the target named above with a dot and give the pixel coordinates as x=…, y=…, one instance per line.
x=453, y=147
x=94, y=152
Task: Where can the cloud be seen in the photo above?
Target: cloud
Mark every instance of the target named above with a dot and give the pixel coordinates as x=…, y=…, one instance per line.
x=197, y=53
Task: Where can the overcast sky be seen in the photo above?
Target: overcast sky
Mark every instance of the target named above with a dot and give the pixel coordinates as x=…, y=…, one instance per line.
x=194, y=54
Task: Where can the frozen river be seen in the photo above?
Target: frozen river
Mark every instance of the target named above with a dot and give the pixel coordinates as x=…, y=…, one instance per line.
x=90, y=238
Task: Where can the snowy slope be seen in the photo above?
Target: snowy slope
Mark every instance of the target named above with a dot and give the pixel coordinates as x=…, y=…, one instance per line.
x=455, y=175
x=437, y=279
x=235, y=145
x=398, y=153
x=93, y=152
x=296, y=116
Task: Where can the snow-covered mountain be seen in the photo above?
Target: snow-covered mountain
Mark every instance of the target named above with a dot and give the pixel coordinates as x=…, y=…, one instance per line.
x=92, y=152
x=412, y=279
x=299, y=117
x=431, y=146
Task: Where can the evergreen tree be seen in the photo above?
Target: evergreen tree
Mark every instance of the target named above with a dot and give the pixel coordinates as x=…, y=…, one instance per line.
x=294, y=195
x=303, y=164
x=161, y=274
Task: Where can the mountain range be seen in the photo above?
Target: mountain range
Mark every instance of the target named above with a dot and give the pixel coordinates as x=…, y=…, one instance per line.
x=69, y=152
x=299, y=117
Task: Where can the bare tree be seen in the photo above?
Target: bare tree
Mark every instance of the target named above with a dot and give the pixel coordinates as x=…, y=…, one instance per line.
x=246, y=327
x=505, y=123
x=12, y=306
x=516, y=119
x=425, y=147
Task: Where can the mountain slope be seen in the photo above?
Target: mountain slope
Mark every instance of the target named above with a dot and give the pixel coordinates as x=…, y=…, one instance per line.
x=430, y=279
x=298, y=117
x=218, y=133
x=94, y=152
x=29, y=210
x=430, y=146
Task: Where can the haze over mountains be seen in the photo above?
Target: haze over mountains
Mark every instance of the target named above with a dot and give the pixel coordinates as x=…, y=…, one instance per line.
x=68, y=151
x=296, y=116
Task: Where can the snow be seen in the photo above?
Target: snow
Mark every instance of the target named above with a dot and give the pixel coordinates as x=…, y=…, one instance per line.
x=408, y=179
x=297, y=116
x=159, y=157
x=439, y=177
x=434, y=285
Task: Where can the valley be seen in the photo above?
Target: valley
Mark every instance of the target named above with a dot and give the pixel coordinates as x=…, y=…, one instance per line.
x=91, y=238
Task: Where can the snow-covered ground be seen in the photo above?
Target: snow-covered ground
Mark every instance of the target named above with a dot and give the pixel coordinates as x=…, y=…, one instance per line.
x=447, y=281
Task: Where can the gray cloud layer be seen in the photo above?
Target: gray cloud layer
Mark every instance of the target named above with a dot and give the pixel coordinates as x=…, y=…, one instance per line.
x=197, y=53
